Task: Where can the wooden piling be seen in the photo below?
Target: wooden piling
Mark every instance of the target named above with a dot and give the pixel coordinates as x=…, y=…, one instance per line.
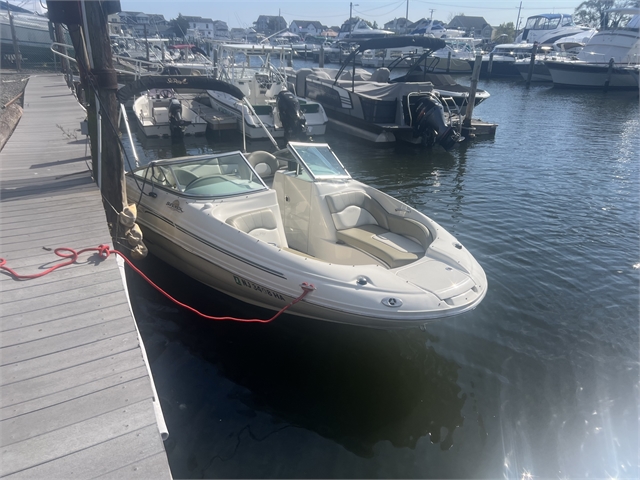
x=321, y=57
x=14, y=38
x=490, y=66
x=532, y=63
x=472, y=94
x=449, y=62
x=609, y=73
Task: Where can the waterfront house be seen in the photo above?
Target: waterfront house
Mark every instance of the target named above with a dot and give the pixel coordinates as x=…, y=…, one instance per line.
x=471, y=25
x=200, y=27
x=270, y=24
x=401, y=26
x=306, y=27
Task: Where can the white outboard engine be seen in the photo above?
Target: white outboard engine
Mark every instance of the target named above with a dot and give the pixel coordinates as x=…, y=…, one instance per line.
x=431, y=125
x=292, y=118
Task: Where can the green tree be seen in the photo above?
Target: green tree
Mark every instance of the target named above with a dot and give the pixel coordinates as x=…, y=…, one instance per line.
x=593, y=12
x=179, y=25
x=505, y=33
x=375, y=25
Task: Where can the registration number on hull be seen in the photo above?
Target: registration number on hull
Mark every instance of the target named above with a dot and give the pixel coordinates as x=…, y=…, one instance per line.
x=258, y=288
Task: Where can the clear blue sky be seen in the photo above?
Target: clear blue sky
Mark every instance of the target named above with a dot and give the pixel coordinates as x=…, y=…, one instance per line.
x=242, y=13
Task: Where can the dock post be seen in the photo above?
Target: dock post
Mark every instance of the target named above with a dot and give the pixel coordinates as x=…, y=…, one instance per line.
x=532, y=63
x=609, y=73
x=290, y=58
x=14, y=38
x=449, y=62
x=321, y=57
x=472, y=94
x=59, y=36
x=490, y=66
x=146, y=42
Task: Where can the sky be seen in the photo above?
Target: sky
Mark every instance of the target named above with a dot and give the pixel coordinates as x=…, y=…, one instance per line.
x=242, y=13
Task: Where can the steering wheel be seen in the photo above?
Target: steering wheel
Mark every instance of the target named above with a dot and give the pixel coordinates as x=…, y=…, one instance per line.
x=203, y=181
x=166, y=93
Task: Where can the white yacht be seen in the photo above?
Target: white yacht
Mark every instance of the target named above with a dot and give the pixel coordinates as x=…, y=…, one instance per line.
x=603, y=60
x=550, y=27
x=165, y=113
x=251, y=68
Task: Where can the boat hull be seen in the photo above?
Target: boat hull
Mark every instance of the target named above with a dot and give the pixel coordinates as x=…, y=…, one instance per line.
x=584, y=75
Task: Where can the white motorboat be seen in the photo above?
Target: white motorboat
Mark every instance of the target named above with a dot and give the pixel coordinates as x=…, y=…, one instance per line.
x=32, y=34
x=501, y=62
x=260, y=238
x=270, y=103
x=603, y=60
x=458, y=56
x=382, y=109
x=358, y=30
x=163, y=112
x=547, y=28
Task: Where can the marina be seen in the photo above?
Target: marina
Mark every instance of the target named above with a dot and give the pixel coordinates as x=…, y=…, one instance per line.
x=308, y=307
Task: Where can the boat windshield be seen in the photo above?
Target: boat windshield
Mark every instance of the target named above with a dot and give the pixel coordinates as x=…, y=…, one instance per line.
x=221, y=175
x=319, y=161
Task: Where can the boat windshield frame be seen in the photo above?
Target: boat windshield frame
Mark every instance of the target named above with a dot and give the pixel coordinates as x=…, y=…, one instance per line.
x=170, y=182
x=316, y=159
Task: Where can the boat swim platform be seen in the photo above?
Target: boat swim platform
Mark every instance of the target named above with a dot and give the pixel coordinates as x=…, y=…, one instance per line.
x=76, y=396
x=215, y=119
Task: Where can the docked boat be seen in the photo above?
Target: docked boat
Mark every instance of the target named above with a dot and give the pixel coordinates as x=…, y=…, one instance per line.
x=358, y=30
x=501, y=62
x=270, y=103
x=603, y=60
x=547, y=28
x=262, y=227
x=382, y=109
x=163, y=112
x=32, y=34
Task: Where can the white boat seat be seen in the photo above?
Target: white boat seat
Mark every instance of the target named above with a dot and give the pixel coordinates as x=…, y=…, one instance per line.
x=184, y=177
x=361, y=222
x=260, y=224
x=264, y=163
x=161, y=115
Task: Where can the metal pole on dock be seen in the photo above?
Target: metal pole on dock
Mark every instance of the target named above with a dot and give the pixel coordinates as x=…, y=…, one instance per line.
x=532, y=63
x=609, y=73
x=14, y=38
x=472, y=94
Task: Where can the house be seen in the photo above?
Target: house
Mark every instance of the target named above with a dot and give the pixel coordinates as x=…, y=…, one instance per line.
x=471, y=25
x=306, y=27
x=132, y=23
x=200, y=27
x=269, y=24
x=400, y=26
x=488, y=34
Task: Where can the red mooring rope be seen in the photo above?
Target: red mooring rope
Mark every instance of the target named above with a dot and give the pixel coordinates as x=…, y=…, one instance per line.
x=104, y=251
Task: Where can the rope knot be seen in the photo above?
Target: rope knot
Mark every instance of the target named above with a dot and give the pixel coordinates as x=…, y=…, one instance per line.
x=103, y=251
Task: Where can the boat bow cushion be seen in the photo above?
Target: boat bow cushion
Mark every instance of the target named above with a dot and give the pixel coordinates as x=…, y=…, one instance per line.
x=260, y=224
x=363, y=223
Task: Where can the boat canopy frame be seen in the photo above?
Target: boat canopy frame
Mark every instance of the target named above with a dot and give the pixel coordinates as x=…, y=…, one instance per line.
x=429, y=45
x=176, y=82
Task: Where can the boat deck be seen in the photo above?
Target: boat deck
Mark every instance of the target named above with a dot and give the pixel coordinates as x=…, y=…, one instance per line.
x=76, y=395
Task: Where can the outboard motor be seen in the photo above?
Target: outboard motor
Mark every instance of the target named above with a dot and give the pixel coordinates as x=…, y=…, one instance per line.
x=176, y=122
x=431, y=125
x=292, y=118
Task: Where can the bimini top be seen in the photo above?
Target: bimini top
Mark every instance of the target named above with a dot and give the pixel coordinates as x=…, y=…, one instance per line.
x=175, y=82
x=429, y=43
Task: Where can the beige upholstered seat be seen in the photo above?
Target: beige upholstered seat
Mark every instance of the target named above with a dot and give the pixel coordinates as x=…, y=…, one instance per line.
x=260, y=224
x=363, y=223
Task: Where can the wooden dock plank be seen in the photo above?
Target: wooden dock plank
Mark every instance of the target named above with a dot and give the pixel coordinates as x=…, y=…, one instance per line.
x=65, y=380
x=73, y=438
x=80, y=465
x=78, y=391
x=76, y=395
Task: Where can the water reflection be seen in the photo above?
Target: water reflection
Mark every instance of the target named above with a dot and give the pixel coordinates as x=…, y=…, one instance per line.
x=354, y=386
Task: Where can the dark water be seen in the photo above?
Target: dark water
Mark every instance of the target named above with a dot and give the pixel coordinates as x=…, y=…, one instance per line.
x=541, y=380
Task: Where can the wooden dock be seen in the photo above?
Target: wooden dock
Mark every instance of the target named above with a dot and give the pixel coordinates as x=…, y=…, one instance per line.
x=76, y=395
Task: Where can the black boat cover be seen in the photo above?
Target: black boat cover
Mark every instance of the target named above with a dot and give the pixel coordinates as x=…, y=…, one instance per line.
x=403, y=41
x=176, y=82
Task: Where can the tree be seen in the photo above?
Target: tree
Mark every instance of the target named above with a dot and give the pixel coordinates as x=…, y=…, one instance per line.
x=375, y=25
x=505, y=33
x=179, y=25
x=593, y=12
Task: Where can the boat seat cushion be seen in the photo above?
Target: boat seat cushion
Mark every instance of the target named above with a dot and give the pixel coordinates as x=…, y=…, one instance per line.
x=363, y=223
x=260, y=224
x=393, y=249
